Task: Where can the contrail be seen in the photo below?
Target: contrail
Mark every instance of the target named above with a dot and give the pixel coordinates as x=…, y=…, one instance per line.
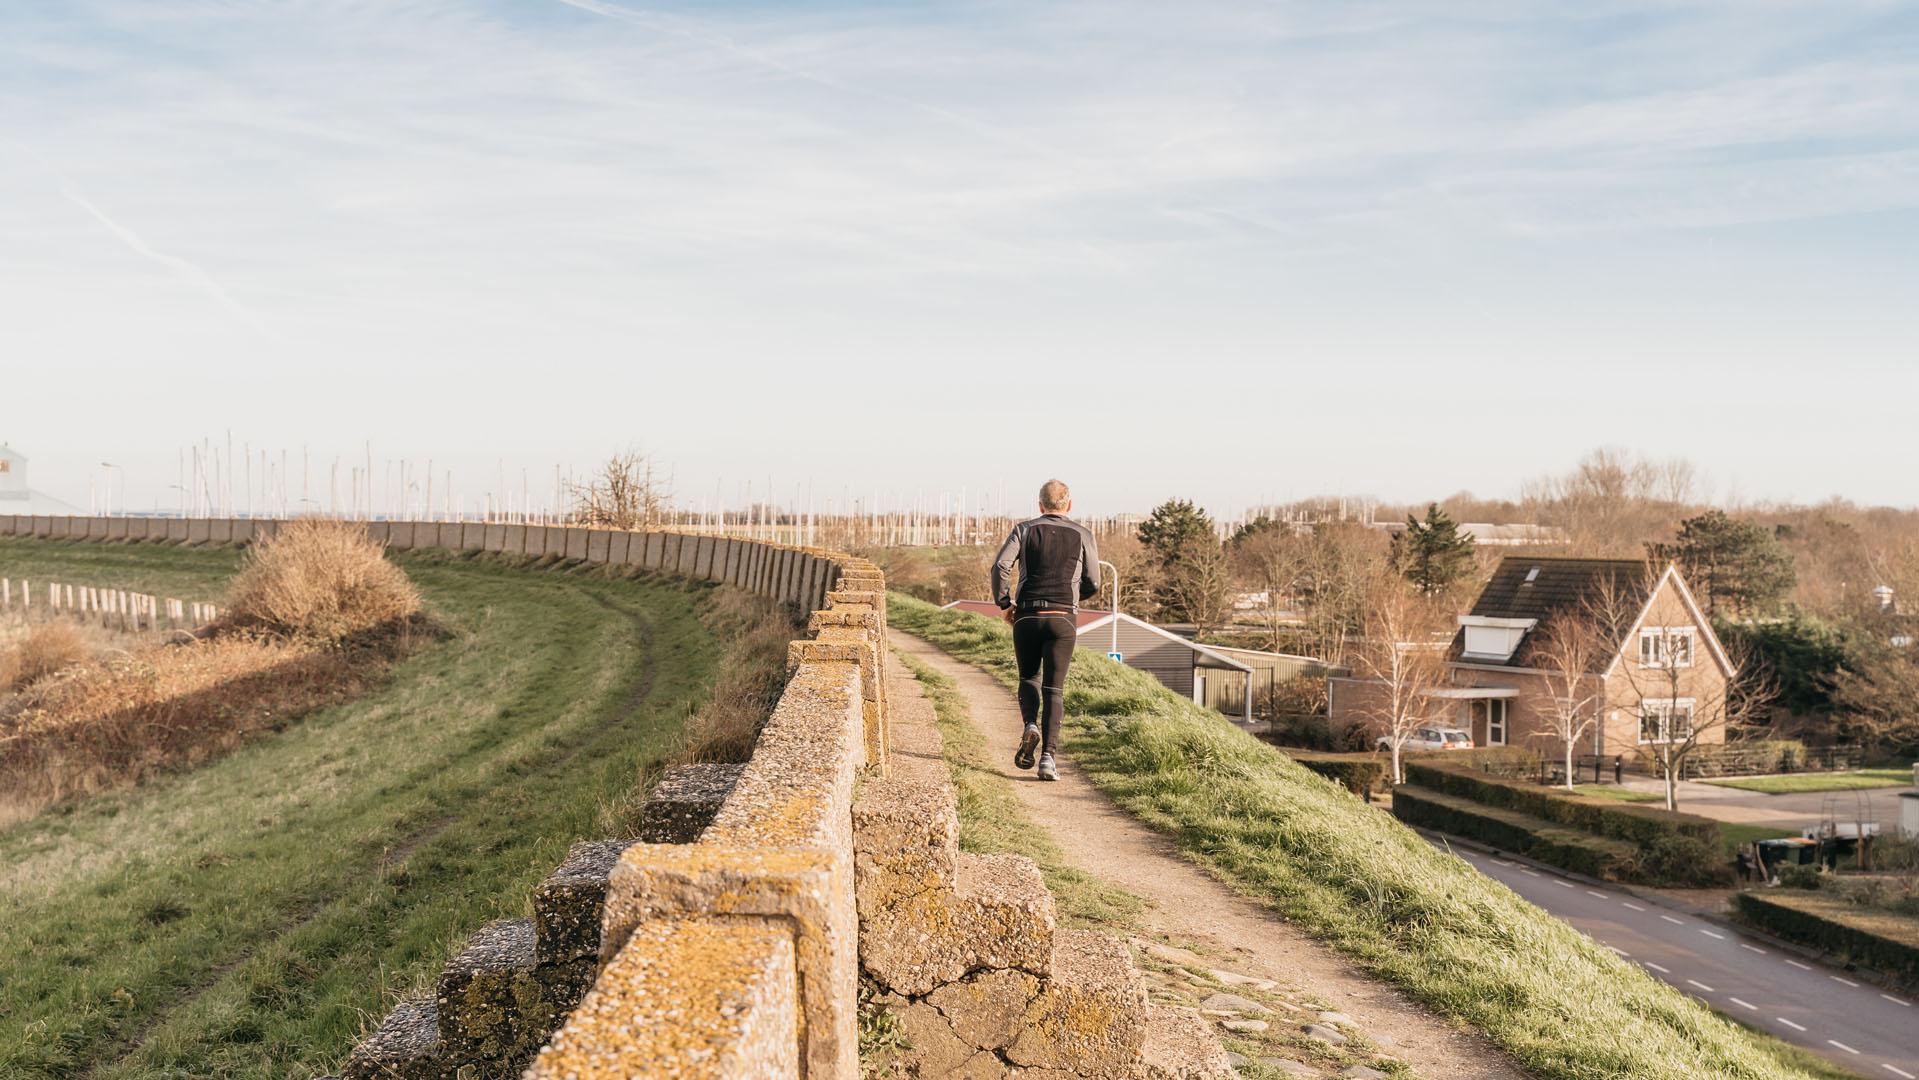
x=191, y=272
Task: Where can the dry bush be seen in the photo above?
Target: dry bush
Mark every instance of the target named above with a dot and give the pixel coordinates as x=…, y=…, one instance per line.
x=319, y=580
x=45, y=650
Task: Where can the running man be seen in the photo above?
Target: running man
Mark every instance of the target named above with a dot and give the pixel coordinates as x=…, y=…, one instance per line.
x=1058, y=567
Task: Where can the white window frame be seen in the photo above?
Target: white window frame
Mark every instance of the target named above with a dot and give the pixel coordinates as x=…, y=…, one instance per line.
x=1662, y=711
x=1656, y=640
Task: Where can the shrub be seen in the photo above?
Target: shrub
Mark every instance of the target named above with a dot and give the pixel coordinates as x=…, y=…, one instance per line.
x=1677, y=849
x=1885, y=943
x=1796, y=876
x=1508, y=830
x=319, y=580
x=1357, y=773
x=46, y=650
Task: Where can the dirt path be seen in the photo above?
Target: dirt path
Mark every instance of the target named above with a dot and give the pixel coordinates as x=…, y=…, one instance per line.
x=1185, y=902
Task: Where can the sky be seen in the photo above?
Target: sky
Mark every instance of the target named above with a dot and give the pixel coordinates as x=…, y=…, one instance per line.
x=1231, y=252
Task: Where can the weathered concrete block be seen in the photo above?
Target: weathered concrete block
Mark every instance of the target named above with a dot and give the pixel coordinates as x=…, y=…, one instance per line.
x=535, y=542
x=998, y=915
x=1180, y=1045
x=598, y=543
x=689, y=556
x=986, y=1010
x=406, y=1046
x=685, y=802
x=513, y=539
x=654, y=555
x=703, y=558
x=380, y=532
x=473, y=536
x=576, y=544
x=447, y=535
x=905, y=840
x=694, y=999
x=220, y=531
x=492, y=1004
x=400, y=535
x=616, y=547
x=555, y=540
x=568, y=905
x=495, y=541
x=199, y=531
x=1090, y=1016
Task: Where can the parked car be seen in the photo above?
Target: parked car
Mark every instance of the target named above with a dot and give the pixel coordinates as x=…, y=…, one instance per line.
x=1431, y=738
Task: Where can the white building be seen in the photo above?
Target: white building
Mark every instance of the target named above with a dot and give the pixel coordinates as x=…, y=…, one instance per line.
x=16, y=497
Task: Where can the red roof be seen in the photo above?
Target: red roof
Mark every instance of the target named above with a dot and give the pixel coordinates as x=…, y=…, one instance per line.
x=991, y=611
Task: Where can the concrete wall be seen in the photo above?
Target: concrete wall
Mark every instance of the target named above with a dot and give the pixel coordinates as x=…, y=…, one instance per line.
x=736, y=955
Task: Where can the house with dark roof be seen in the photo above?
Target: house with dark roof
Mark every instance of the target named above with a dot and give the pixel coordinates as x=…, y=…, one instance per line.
x=1652, y=665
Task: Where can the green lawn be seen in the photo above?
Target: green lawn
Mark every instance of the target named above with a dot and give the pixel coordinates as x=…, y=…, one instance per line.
x=1617, y=793
x=1795, y=783
x=253, y=917
x=1564, y=1007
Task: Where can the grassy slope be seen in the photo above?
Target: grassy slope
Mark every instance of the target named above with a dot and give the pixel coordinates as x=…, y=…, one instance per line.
x=1562, y=1005
x=249, y=918
x=1855, y=780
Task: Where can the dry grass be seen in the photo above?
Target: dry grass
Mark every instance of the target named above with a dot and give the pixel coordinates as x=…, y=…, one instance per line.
x=319, y=580
x=44, y=650
x=752, y=674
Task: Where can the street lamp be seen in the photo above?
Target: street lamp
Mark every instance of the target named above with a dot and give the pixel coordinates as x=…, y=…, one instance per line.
x=1114, y=652
x=111, y=468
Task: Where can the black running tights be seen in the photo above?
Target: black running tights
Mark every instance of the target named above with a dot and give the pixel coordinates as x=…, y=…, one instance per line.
x=1043, y=645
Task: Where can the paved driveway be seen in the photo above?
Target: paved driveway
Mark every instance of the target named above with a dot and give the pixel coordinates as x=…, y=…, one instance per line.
x=1793, y=812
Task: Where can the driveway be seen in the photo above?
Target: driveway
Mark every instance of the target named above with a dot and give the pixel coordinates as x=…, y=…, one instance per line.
x=1795, y=812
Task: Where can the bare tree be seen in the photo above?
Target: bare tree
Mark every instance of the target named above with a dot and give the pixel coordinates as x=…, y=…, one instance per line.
x=1404, y=660
x=1567, y=649
x=1676, y=710
x=1275, y=561
x=624, y=494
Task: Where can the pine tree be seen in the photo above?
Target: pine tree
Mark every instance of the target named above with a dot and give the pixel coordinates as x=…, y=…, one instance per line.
x=1433, y=554
x=1190, y=579
x=1734, y=566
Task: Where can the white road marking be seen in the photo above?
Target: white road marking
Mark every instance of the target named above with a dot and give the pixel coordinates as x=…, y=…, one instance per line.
x=1675, y=922
x=1712, y=934
x=1896, y=1001
x=1702, y=986
x=1529, y=873
x=1502, y=862
x=1842, y=1046
x=1656, y=967
x=1632, y=905
x=1618, y=950
x=1752, y=948
x=1744, y=1004
x=1800, y=966
x=1843, y=982
x=1790, y=1024
x=1897, y=1071
x=1567, y=884
x=1595, y=892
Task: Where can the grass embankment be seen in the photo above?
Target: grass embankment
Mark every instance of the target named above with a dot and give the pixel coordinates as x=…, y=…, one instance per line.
x=1467, y=946
x=251, y=917
x=1797, y=783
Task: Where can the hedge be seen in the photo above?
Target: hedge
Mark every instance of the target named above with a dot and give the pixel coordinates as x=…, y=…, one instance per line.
x=1640, y=825
x=1512, y=831
x=1882, y=941
x=1357, y=773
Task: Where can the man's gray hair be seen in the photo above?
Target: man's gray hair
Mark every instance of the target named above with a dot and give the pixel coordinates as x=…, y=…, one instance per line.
x=1054, y=495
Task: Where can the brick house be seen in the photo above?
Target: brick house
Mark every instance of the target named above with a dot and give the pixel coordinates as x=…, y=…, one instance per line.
x=1655, y=668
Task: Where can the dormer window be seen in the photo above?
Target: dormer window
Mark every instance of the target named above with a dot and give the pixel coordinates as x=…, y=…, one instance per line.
x=1666, y=646
x=1493, y=639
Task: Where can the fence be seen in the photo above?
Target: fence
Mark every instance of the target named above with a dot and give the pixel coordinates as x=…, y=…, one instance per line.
x=114, y=608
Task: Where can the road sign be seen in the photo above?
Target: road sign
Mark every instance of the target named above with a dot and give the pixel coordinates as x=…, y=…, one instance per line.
x=1118, y=656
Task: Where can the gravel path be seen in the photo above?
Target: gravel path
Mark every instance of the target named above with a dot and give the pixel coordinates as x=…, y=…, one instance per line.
x=1185, y=902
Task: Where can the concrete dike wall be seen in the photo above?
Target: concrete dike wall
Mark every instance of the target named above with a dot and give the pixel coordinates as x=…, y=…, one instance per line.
x=729, y=939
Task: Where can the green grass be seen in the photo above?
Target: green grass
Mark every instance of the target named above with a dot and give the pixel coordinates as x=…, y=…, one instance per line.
x=1797, y=783
x=1617, y=793
x=993, y=822
x=1563, y=1006
x=252, y=917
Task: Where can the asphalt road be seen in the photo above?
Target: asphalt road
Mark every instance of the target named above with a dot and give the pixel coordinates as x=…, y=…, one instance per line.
x=1848, y=1021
